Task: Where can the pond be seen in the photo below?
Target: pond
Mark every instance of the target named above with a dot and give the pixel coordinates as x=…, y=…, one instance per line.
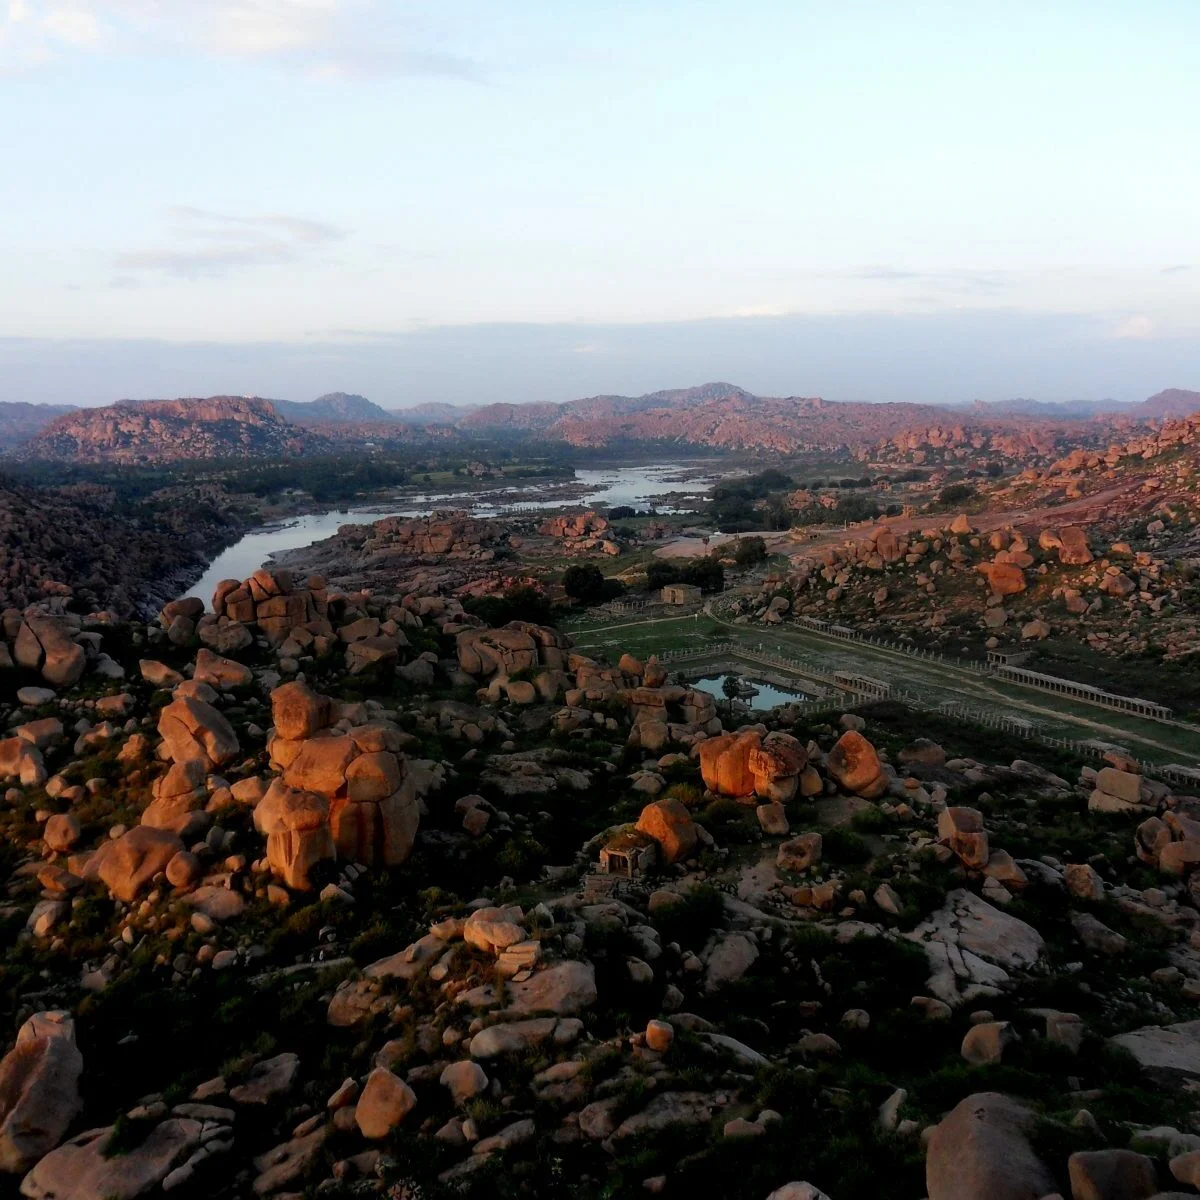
x=637, y=486
x=765, y=695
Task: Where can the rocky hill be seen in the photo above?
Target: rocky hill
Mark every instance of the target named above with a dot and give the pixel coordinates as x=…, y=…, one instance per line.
x=146, y=431
x=1171, y=402
x=80, y=546
x=20, y=421
x=332, y=408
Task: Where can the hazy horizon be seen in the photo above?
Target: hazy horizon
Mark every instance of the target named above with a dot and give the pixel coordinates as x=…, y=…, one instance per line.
x=935, y=359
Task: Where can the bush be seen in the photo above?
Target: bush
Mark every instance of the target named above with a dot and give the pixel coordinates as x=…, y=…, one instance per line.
x=517, y=604
x=844, y=847
x=692, y=918
x=956, y=493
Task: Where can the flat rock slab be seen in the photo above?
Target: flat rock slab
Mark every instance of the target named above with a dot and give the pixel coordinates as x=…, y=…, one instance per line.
x=79, y=1169
x=971, y=946
x=564, y=988
x=1170, y=1053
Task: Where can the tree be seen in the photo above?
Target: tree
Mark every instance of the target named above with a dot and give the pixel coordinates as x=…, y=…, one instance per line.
x=659, y=574
x=584, y=582
x=706, y=573
x=750, y=551
x=731, y=685
x=622, y=512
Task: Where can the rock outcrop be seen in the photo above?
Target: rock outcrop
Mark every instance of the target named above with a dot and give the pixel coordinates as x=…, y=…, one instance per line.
x=39, y=1090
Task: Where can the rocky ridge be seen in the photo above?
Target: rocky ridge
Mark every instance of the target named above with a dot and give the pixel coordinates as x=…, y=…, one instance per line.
x=158, y=431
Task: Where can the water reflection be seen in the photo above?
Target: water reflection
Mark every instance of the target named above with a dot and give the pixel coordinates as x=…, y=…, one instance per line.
x=760, y=696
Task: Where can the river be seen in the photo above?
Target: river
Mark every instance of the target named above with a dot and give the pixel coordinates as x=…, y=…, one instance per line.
x=638, y=486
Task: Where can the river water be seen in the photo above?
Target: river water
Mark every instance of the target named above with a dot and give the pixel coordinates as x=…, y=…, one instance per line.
x=637, y=486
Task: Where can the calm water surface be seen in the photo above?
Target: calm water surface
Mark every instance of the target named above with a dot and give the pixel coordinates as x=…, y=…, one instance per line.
x=766, y=695
x=637, y=486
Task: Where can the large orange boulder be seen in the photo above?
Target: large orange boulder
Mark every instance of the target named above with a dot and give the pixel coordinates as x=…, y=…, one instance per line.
x=962, y=830
x=179, y=800
x=1004, y=578
x=1070, y=542
x=297, y=711
x=376, y=833
x=981, y=1151
x=296, y=826
x=483, y=652
x=128, y=864
x=321, y=764
x=855, y=765
x=670, y=824
x=887, y=545
x=194, y=731
x=725, y=763
x=44, y=643
x=776, y=765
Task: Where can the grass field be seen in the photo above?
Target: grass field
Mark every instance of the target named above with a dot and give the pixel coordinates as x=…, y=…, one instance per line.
x=934, y=682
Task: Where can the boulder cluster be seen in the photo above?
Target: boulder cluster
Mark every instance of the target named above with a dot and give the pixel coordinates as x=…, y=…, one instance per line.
x=1010, y=584
x=482, y=909
x=584, y=534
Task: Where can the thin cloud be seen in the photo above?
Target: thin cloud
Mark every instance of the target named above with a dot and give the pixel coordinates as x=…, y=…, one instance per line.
x=334, y=39
x=1177, y=269
x=206, y=223
x=886, y=274
x=215, y=243
x=1136, y=328
x=960, y=281
x=760, y=310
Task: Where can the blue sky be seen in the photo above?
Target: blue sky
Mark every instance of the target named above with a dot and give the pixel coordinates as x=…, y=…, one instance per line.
x=337, y=181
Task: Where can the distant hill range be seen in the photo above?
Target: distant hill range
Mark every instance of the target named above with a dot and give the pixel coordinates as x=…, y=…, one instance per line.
x=20, y=421
x=339, y=408
x=718, y=416
x=432, y=413
x=1072, y=409
x=725, y=416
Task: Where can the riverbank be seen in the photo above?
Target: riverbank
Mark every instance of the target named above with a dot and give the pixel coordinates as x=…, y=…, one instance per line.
x=665, y=487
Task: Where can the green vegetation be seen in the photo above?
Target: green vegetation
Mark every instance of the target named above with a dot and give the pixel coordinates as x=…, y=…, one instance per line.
x=705, y=573
x=585, y=582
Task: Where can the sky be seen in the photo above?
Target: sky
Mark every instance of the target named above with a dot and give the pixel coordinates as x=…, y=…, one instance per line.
x=469, y=202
